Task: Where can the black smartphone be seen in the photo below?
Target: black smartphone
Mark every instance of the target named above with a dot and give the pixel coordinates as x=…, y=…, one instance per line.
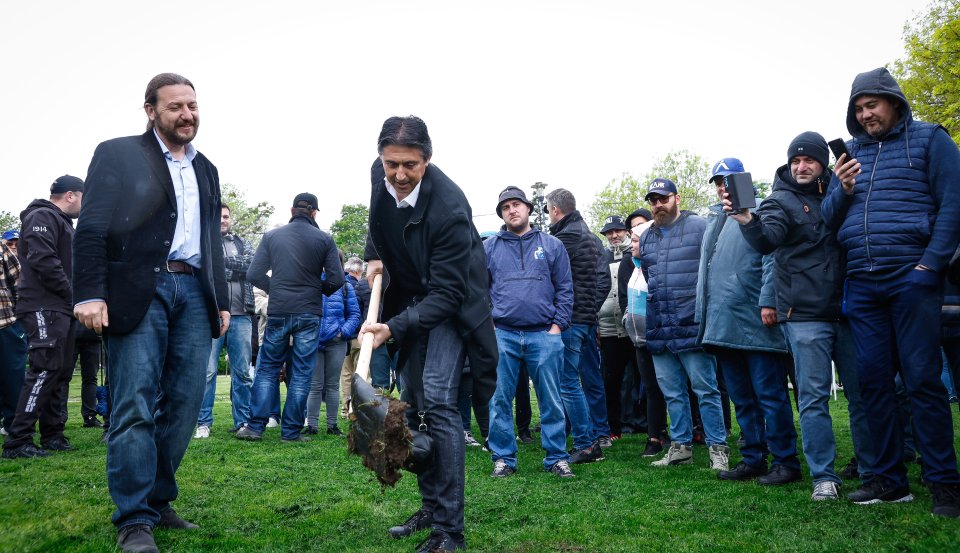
x=839, y=147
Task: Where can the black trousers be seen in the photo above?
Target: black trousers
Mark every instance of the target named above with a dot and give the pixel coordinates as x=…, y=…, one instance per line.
x=656, y=404
x=50, y=343
x=616, y=354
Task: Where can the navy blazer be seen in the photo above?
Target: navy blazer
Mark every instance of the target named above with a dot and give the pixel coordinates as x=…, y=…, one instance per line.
x=126, y=227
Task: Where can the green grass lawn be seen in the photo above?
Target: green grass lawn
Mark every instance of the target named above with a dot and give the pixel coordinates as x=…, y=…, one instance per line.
x=270, y=496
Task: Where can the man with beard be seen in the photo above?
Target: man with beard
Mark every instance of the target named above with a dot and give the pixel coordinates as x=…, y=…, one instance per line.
x=809, y=280
x=670, y=258
x=436, y=310
x=736, y=312
x=149, y=275
x=532, y=293
x=44, y=302
x=896, y=210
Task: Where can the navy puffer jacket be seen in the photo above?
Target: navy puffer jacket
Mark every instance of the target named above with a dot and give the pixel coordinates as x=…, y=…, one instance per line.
x=341, y=315
x=670, y=261
x=905, y=208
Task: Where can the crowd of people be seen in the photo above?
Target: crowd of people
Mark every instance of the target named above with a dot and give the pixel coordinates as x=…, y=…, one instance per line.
x=839, y=274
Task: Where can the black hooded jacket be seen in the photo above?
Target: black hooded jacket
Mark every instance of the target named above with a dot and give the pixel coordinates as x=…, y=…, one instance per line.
x=583, y=248
x=809, y=267
x=45, y=252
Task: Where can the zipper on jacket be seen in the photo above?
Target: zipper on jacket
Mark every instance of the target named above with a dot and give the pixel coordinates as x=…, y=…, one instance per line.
x=866, y=207
x=522, y=267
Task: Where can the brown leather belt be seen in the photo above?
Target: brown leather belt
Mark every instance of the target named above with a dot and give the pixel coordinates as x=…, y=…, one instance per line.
x=179, y=267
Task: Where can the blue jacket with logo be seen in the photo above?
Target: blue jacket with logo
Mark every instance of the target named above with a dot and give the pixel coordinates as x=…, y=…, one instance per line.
x=905, y=206
x=670, y=262
x=531, y=286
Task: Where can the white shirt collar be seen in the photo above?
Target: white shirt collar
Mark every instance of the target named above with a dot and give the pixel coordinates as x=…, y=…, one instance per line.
x=410, y=200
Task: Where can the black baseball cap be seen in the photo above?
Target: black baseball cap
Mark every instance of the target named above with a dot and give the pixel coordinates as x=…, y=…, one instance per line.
x=305, y=200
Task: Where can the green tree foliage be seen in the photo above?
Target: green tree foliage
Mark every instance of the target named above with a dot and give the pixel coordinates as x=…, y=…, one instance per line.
x=350, y=230
x=929, y=74
x=9, y=221
x=249, y=221
x=688, y=171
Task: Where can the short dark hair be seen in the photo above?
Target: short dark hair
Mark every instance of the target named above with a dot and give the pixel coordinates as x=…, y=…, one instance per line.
x=227, y=207
x=409, y=131
x=562, y=199
x=158, y=82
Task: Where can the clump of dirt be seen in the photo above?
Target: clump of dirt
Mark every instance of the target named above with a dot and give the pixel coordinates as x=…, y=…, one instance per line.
x=383, y=449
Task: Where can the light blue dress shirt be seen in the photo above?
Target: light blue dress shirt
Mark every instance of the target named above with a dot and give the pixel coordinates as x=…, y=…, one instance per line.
x=186, y=238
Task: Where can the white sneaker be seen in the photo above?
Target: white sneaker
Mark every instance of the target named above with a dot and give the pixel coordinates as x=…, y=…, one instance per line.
x=3, y=431
x=273, y=423
x=470, y=440
x=719, y=457
x=202, y=432
x=678, y=454
x=825, y=490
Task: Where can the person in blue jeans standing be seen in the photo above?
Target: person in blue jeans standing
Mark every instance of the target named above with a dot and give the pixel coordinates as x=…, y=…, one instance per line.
x=236, y=259
x=532, y=294
x=809, y=277
x=583, y=249
x=298, y=254
x=895, y=206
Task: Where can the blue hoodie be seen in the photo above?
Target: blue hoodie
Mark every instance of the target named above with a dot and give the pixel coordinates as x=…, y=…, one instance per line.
x=905, y=206
x=531, y=286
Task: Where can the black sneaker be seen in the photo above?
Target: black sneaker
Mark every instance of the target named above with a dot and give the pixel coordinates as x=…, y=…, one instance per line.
x=851, y=471
x=26, y=451
x=57, y=444
x=311, y=430
x=524, y=437
x=501, y=469
x=421, y=520
x=92, y=422
x=247, y=433
x=441, y=542
x=562, y=469
x=334, y=431
x=299, y=439
x=137, y=538
x=780, y=475
x=875, y=491
x=946, y=500
x=654, y=447
x=589, y=454
x=171, y=520
x=743, y=471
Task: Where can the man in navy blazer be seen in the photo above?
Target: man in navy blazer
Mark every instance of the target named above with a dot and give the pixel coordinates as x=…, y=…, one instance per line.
x=149, y=275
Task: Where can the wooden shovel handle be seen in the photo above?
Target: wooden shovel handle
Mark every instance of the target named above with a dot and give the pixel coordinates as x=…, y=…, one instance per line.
x=366, y=346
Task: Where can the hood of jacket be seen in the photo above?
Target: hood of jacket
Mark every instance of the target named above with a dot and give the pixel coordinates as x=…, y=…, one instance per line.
x=878, y=82
x=41, y=203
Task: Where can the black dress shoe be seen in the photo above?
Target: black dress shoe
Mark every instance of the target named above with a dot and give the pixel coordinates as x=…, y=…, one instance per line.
x=743, y=471
x=170, y=519
x=92, y=422
x=780, y=475
x=26, y=451
x=442, y=542
x=137, y=538
x=57, y=444
x=421, y=520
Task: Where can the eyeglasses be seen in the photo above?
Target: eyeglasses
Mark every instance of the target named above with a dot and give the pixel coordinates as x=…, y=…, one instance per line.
x=661, y=199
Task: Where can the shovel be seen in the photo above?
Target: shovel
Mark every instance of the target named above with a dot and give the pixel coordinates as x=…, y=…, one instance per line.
x=378, y=431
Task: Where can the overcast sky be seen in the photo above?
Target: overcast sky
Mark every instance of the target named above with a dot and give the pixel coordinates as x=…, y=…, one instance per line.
x=292, y=94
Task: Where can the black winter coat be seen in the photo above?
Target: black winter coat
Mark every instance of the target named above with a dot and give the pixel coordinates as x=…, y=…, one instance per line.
x=583, y=248
x=44, y=249
x=809, y=264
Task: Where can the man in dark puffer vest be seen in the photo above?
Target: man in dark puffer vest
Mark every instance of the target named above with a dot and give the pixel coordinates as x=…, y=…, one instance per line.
x=896, y=209
x=670, y=259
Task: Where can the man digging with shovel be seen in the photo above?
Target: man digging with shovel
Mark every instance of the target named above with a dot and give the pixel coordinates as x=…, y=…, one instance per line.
x=436, y=308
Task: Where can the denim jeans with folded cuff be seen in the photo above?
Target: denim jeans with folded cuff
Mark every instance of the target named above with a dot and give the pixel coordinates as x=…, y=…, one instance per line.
x=157, y=373
x=591, y=379
x=571, y=392
x=673, y=371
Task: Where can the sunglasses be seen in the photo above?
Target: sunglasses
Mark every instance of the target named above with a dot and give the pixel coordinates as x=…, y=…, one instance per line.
x=655, y=200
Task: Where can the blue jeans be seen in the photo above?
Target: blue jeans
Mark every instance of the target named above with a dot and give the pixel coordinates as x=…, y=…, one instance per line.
x=440, y=353
x=591, y=379
x=305, y=331
x=325, y=384
x=673, y=371
x=812, y=344
x=238, y=352
x=380, y=364
x=757, y=384
x=900, y=317
x=845, y=360
x=13, y=366
x=156, y=376
x=542, y=353
x=571, y=394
